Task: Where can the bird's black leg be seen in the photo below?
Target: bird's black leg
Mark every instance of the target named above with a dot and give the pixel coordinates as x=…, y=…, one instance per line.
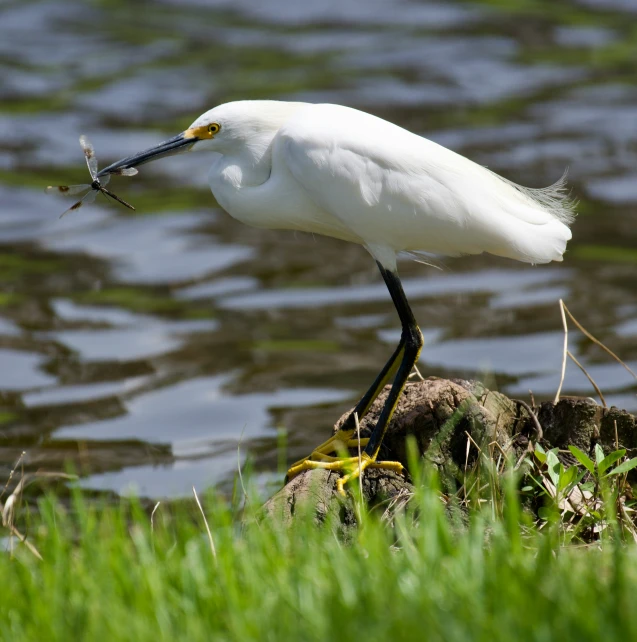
x=412, y=342
x=345, y=435
x=404, y=358
x=394, y=361
x=380, y=382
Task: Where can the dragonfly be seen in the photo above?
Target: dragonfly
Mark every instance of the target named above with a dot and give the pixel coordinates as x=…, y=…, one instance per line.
x=96, y=185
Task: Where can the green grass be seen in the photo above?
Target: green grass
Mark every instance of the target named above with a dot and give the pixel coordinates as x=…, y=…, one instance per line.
x=106, y=574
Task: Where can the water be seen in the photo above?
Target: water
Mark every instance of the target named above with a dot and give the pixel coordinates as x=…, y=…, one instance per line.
x=143, y=346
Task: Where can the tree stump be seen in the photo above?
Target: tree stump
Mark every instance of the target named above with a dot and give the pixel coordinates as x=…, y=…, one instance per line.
x=448, y=420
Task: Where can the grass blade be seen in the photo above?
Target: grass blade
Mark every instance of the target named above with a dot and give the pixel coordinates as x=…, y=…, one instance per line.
x=624, y=468
x=583, y=459
x=607, y=462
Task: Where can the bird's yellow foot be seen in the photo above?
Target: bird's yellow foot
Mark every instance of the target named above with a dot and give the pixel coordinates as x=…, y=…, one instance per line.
x=339, y=442
x=359, y=465
x=352, y=466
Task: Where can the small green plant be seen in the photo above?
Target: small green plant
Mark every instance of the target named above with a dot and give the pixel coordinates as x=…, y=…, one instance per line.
x=589, y=499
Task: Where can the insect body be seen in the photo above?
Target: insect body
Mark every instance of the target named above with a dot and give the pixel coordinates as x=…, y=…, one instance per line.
x=96, y=185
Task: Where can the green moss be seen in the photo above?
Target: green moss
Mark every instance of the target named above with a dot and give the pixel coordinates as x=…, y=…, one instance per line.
x=604, y=253
x=40, y=178
x=10, y=298
x=559, y=13
x=6, y=416
x=171, y=198
x=13, y=266
x=34, y=104
x=141, y=300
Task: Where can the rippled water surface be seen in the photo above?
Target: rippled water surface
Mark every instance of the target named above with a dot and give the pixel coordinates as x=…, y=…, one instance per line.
x=141, y=346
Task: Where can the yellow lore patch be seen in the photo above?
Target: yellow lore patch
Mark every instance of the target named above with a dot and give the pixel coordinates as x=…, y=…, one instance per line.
x=203, y=132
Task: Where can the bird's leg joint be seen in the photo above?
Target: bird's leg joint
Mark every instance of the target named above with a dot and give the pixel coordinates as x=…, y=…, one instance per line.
x=413, y=339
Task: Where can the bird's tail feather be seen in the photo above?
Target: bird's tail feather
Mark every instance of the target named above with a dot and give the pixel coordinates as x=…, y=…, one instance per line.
x=555, y=199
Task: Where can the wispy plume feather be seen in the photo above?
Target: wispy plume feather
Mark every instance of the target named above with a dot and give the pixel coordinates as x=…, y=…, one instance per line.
x=555, y=199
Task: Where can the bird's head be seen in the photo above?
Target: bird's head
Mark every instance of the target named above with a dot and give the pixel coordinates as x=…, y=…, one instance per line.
x=230, y=128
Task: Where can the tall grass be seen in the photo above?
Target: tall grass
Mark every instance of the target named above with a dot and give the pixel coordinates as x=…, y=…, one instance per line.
x=107, y=574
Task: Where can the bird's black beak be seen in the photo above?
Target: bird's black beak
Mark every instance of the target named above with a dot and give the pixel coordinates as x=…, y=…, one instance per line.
x=180, y=143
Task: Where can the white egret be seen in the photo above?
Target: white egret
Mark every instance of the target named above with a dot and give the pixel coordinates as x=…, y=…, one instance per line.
x=340, y=172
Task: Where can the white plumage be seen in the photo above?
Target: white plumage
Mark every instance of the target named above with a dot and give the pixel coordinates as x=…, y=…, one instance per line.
x=341, y=172
x=338, y=171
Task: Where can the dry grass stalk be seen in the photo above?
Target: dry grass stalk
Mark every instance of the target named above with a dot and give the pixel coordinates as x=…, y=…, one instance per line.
x=243, y=488
x=616, y=435
x=627, y=521
x=416, y=373
x=565, y=326
x=473, y=441
x=15, y=467
x=396, y=504
x=586, y=333
x=26, y=542
x=152, y=517
x=539, y=433
x=565, y=311
x=583, y=369
x=503, y=458
x=466, y=465
x=8, y=508
x=205, y=521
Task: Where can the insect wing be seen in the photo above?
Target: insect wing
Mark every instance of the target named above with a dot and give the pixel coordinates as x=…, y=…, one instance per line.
x=89, y=154
x=66, y=190
x=88, y=198
x=123, y=171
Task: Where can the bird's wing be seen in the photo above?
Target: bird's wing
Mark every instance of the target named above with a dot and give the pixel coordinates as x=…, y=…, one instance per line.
x=351, y=165
x=392, y=187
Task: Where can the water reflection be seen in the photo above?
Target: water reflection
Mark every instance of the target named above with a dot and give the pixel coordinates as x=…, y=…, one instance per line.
x=141, y=346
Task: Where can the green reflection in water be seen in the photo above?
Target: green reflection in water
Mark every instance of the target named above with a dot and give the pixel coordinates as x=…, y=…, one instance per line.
x=605, y=253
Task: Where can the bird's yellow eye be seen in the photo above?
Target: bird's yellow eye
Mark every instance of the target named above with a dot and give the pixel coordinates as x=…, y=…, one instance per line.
x=213, y=128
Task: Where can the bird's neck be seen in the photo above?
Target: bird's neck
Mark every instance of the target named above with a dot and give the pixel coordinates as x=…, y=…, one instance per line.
x=249, y=167
x=235, y=177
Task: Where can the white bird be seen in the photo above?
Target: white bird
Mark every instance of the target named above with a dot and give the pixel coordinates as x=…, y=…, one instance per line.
x=340, y=172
